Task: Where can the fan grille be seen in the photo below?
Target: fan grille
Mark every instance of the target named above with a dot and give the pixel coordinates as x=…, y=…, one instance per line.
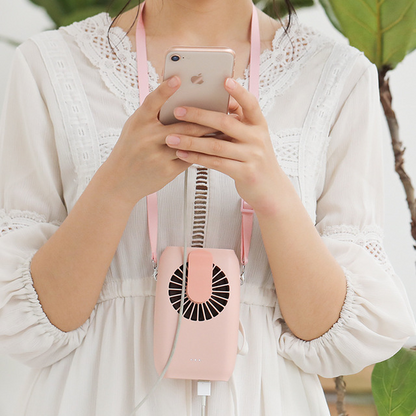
x=200, y=311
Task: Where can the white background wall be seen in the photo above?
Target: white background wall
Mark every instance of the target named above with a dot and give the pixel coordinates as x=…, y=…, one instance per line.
x=19, y=19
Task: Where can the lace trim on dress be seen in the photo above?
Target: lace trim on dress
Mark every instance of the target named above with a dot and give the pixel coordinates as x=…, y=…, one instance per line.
x=15, y=220
x=117, y=67
x=279, y=67
x=286, y=148
x=106, y=142
x=78, y=121
x=315, y=134
x=370, y=238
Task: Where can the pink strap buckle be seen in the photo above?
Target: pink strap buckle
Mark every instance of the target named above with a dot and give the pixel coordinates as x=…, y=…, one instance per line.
x=246, y=231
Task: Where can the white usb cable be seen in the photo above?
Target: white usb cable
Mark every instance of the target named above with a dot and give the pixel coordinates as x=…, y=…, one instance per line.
x=204, y=391
x=185, y=272
x=203, y=387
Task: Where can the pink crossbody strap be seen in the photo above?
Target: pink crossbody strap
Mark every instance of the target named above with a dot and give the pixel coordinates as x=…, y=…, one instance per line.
x=141, y=57
x=143, y=79
x=254, y=80
x=254, y=84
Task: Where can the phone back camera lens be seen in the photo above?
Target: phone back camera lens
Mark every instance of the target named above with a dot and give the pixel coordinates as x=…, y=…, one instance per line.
x=175, y=58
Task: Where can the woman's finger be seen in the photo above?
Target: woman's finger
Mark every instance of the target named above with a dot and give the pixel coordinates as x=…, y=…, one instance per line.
x=229, y=167
x=235, y=108
x=225, y=123
x=169, y=154
x=247, y=101
x=154, y=101
x=209, y=146
x=189, y=129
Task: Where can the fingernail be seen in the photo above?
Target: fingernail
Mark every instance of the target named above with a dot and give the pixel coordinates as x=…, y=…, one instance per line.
x=180, y=111
x=173, y=82
x=230, y=83
x=173, y=140
x=181, y=154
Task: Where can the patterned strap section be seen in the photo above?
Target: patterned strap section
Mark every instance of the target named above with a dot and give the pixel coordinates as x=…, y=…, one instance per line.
x=73, y=104
x=200, y=207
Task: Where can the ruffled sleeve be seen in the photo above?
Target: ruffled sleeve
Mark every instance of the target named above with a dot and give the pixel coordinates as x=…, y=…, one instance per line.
x=376, y=318
x=31, y=209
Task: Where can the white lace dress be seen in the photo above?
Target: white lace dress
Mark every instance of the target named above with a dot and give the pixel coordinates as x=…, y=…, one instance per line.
x=68, y=99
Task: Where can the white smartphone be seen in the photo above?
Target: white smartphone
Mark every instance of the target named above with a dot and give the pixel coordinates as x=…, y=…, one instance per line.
x=203, y=72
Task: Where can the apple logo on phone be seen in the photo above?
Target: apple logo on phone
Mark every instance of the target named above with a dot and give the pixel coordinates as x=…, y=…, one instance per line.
x=197, y=79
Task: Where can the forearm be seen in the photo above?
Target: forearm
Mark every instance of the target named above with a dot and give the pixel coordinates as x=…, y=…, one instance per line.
x=310, y=284
x=69, y=269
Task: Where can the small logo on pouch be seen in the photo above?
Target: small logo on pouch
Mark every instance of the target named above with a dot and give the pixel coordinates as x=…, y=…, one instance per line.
x=197, y=79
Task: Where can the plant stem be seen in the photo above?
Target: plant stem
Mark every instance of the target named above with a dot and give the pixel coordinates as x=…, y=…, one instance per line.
x=398, y=149
x=341, y=388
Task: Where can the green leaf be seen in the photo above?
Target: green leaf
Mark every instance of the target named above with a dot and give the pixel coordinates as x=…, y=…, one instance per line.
x=117, y=5
x=81, y=14
x=302, y=3
x=385, y=30
x=328, y=10
x=65, y=12
x=394, y=384
x=413, y=41
x=54, y=8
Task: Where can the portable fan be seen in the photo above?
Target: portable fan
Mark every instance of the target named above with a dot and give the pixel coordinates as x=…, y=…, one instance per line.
x=208, y=339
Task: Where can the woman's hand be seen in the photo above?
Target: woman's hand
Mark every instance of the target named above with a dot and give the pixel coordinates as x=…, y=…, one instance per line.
x=141, y=163
x=244, y=151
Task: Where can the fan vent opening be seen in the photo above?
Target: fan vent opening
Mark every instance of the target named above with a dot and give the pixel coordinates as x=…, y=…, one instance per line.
x=200, y=311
